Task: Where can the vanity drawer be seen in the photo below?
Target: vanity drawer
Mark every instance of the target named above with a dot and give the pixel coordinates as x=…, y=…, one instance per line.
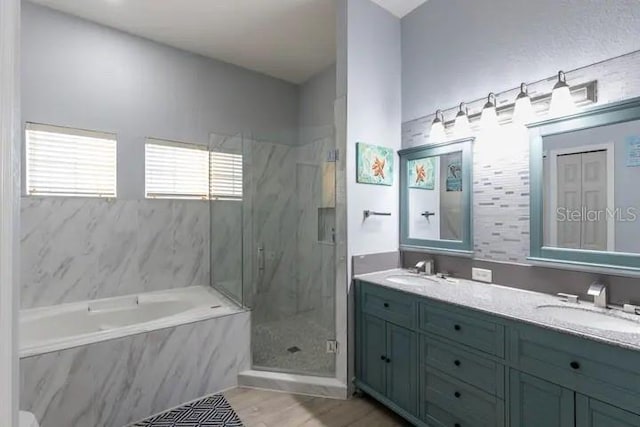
x=472, y=369
x=470, y=405
x=435, y=416
x=602, y=371
x=388, y=304
x=476, y=331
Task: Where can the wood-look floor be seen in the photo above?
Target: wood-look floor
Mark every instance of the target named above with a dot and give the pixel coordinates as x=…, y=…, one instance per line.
x=260, y=408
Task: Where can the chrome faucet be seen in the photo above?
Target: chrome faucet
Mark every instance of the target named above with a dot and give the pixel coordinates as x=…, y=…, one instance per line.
x=425, y=267
x=599, y=293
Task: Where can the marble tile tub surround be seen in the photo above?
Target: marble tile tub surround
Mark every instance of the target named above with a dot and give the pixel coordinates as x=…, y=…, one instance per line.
x=75, y=249
x=507, y=302
x=114, y=383
x=501, y=163
x=620, y=290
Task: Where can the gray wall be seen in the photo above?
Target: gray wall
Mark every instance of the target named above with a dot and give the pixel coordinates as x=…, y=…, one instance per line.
x=79, y=74
x=456, y=50
x=315, y=112
x=373, y=111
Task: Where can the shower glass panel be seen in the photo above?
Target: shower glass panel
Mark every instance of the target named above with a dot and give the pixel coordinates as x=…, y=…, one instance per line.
x=289, y=252
x=226, y=212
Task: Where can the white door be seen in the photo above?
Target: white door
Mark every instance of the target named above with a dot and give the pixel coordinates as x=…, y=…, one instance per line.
x=582, y=200
x=594, y=200
x=569, y=200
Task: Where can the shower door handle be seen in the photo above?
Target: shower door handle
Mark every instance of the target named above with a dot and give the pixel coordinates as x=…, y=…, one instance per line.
x=260, y=258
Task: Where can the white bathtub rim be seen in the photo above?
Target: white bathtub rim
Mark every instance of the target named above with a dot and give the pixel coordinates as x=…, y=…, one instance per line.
x=191, y=316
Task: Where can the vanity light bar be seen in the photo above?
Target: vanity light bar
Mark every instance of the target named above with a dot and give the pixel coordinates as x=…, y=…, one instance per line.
x=583, y=95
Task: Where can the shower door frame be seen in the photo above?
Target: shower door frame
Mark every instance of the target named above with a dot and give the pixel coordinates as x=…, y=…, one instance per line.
x=10, y=149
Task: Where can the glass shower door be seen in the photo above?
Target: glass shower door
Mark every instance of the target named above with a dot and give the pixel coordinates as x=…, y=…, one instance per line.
x=290, y=246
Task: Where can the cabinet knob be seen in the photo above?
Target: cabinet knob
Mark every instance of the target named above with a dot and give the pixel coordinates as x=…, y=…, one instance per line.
x=456, y=362
x=386, y=305
x=457, y=327
x=457, y=394
x=382, y=358
x=388, y=360
x=457, y=425
x=575, y=365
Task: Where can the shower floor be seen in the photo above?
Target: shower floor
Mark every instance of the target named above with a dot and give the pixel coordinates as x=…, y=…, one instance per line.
x=294, y=345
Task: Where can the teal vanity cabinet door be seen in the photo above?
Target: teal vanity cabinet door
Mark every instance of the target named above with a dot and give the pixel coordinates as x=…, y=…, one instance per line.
x=402, y=367
x=537, y=403
x=373, y=353
x=593, y=413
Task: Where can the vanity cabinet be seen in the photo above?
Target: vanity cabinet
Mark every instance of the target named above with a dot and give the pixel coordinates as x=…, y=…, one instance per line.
x=534, y=402
x=387, y=355
x=592, y=413
x=441, y=365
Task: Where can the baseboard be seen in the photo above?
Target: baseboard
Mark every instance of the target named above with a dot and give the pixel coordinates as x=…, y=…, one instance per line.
x=296, y=384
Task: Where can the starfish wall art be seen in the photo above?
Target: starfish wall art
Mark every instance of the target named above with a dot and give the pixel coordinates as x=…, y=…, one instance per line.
x=374, y=164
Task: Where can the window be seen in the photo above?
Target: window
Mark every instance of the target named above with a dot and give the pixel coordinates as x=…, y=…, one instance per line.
x=69, y=162
x=225, y=173
x=175, y=170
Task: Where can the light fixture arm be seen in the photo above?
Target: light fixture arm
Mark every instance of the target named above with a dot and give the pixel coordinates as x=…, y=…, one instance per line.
x=491, y=101
x=524, y=91
x=562, y=80
x=462, y=112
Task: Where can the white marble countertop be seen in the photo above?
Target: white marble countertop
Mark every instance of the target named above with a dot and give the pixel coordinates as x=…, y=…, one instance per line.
x=510, y=303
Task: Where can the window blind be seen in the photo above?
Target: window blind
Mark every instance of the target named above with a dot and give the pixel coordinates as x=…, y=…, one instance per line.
x=225, y=174
x=70, y=162
x=176, y=170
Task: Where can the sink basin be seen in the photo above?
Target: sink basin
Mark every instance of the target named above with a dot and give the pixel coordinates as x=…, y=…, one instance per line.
x=590, y=318
x=410, y=279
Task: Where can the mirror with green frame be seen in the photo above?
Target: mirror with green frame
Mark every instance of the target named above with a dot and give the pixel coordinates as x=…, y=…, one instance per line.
x=585, y=201
x=435, y=197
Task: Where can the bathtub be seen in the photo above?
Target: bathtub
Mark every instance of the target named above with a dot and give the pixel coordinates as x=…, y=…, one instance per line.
x=49, y=329
x=111, y=362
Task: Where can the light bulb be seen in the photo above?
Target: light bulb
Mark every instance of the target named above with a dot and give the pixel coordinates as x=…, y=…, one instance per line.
x=561, y=101
x=462, y=127
x=523, y=112
x=437, y=133
x=489, y=117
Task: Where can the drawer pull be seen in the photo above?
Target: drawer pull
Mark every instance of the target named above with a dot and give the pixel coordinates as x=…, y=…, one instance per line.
x=457, y=425
x=457, y=327
x=456, y=362
x=457, y=394
x=575, y=365
x=386, y=305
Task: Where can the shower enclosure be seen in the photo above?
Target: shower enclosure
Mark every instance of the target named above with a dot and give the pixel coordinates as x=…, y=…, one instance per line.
x=273, y=246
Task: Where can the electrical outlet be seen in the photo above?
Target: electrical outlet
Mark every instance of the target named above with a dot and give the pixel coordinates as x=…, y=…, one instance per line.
x=332, y=346
x=482, y=275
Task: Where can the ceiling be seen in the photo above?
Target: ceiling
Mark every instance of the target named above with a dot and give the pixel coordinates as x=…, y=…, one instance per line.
x=288, y=39
x=399, y=8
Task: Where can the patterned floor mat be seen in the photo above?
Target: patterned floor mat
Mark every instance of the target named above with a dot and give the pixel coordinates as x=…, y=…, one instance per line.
x=212, y=411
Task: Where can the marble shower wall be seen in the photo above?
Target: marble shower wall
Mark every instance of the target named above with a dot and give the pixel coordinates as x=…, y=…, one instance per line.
x=316, y=253
x=116, y=382
x=82, y=248
x=272, y=226
x=283, y=191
